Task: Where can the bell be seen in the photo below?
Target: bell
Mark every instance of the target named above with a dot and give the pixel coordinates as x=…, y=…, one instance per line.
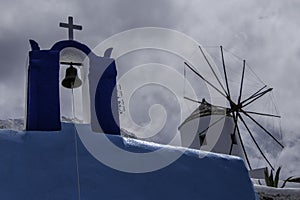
x=71, y=79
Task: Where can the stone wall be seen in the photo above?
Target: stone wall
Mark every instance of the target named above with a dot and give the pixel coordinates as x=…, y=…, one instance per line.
x=269, y=193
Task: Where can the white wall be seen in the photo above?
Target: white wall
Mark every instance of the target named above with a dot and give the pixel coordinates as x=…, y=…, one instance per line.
x=218, y=136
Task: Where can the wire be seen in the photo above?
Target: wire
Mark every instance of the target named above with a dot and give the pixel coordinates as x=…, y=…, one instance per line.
x=76, y=147
x=77, y=164
x=184, y=71
x=277, y=112
x=184, y=77
x=255, y=73
x=239, y=58
x=73, y=105
x=210, y=46
x=233, y=71
x=235, y=55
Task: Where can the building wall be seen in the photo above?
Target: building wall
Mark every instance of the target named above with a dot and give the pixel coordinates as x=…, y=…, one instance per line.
x=38, y=165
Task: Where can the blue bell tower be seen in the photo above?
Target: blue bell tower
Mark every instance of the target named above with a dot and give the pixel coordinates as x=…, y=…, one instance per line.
x=43, y=101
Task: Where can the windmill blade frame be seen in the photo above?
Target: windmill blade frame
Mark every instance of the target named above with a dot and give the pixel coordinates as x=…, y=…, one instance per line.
x=236, y=108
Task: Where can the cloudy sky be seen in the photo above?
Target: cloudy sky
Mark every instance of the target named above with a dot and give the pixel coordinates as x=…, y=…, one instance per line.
x=265, y=33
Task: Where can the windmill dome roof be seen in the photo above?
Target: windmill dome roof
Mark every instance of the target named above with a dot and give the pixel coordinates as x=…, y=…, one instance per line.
x=206, y=109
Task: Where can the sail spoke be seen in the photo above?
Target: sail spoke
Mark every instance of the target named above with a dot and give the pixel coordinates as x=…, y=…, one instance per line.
x=265, y=130
x=256, y=144
x=254, y=95
x=242, y=144
x=258, y=96
x=242, y=81
x=225, y=73
x=198, y=74
x=213, y=71
x=234, y=131
x=262, y=114
x=211, y=125
x=193, y=100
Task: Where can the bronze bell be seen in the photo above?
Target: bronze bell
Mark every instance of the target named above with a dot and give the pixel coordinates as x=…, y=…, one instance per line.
x=71, y=79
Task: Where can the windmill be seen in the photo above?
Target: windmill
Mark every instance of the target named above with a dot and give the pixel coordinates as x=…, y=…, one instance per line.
x=236, y=109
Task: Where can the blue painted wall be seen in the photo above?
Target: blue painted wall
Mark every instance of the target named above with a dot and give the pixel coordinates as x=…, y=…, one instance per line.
x=42, y=165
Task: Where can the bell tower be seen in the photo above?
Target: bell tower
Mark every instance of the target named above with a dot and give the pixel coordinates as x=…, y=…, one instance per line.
x=43, y=100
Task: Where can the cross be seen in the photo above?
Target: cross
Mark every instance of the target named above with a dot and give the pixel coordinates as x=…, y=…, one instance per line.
x=71, y=27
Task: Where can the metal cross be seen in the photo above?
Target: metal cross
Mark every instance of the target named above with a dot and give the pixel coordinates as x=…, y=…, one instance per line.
x=71, y=27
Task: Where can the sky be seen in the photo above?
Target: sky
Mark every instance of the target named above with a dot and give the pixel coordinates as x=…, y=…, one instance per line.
x=264, y=32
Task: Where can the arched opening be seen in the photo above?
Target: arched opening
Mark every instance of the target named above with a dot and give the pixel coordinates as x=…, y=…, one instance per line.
x=74, y=103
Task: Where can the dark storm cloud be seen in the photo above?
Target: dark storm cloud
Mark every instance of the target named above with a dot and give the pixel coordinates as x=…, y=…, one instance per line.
x=265, y=33
x=24, y=20
x=12, y=54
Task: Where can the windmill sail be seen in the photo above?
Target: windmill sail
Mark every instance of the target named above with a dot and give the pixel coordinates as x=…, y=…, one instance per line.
x=222, y=129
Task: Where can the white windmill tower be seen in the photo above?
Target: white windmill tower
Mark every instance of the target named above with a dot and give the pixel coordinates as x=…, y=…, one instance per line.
x=216, y=120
